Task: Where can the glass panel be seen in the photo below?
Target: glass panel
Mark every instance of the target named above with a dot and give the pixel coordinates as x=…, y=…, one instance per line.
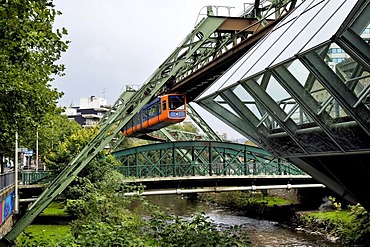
x=298, y=11
x=223, y=103
x=299, y=71
x=304, y=27
x=316, y=90
x=274, y=45
x=356, y=78
x=299, y=116
x=332, y=25
x=252, y=105
x=335, y=110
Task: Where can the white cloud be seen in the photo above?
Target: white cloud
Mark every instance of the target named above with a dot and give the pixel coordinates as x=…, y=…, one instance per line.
x=116, y=43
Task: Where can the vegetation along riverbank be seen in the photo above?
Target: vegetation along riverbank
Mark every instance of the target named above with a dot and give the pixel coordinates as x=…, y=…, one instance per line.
x=349, y=225
x=104, y=216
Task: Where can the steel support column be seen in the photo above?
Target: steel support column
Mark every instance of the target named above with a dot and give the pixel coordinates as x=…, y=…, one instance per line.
x=356, y=47
x=305, y=100
x=273, y=109
x=123, y=114
x=232, y=120
x=345, y=97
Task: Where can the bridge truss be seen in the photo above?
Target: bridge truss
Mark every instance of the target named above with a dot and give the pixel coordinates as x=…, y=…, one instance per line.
x=213, y=45
x=208, y=158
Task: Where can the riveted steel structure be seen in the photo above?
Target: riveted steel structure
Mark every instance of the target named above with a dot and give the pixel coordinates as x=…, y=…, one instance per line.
x=208, y=158
x=288, y=96
x=214, y=43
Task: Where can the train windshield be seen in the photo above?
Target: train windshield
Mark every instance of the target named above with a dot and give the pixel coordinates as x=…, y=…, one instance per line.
x=177, y=102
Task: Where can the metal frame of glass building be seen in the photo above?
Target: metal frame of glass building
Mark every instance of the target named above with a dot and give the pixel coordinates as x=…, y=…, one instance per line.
x=285, y=95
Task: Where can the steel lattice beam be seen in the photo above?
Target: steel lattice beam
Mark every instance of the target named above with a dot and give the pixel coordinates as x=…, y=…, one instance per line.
x=115, y=122
x=203, y=43
x=217, y=158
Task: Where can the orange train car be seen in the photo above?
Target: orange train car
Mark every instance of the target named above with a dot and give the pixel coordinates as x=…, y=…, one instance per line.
x=161, y=112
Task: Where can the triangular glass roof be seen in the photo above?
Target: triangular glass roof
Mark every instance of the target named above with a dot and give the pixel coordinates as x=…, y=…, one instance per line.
x=312, y=23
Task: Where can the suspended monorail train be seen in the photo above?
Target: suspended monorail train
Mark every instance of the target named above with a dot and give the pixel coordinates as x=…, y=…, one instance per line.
x=163, y=111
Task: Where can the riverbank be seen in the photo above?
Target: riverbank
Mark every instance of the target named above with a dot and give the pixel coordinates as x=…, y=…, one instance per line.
x=350, y=226
x=271, y=220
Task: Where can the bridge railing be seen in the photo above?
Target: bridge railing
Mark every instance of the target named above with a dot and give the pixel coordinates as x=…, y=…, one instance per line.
x=6, y=180
x=32, y=177
x=213, y=169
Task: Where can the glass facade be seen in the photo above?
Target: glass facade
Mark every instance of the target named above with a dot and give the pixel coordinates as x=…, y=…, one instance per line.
x=286, y=84
x=303, y=93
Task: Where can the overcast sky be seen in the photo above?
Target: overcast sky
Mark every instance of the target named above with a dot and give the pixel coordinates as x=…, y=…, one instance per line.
x=115, y=43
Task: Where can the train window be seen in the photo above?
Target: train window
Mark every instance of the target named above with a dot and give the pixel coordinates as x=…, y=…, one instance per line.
x=130, y=124
x=153, y=110
x=164, y=105
x=145, y=114
x=176, y=102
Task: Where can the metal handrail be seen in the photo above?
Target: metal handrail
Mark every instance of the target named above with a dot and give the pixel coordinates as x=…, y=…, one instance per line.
x=6, y=180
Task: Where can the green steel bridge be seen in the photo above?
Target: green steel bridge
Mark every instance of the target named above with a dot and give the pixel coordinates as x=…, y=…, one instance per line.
x=268, y=73
x=180, y=166
x=200, y=158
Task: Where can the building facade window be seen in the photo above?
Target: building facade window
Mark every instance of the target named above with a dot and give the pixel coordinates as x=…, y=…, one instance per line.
x=366, y=31
x=335, y=50
x=338, y=60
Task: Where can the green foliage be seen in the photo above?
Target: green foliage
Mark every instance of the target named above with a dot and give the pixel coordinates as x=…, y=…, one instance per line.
x=357, y=230
x=45, y=235
x=337, y=205
x=242, y=200
x=68, y=147
x=342, y=215
x=352, y=227
x=106, y=217
x=29, y=51
x=199, y=231
x=55, y=129
x=185, y=126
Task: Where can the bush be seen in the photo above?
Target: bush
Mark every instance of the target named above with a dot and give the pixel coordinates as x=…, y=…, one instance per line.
x=357, y=230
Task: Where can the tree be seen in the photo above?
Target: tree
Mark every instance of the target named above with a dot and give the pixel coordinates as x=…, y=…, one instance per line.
x=185, y=126
x=55, y=129
x=29, y=51
x=75, y=139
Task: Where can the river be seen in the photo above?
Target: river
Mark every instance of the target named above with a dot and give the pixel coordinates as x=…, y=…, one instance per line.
x=261, y=232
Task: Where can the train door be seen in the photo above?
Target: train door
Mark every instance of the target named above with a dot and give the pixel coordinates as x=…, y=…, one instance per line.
x=164, y=108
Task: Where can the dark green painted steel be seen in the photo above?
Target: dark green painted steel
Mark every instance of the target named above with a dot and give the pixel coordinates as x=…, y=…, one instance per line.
x=32, y=177
x=203, y=43
x=222, y=158
x=112, y=125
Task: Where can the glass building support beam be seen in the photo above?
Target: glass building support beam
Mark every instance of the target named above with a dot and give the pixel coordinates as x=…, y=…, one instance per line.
x=346, y=98
x=358, y=19
x=356, y=47
x=247, y=115
x=264, y=83
x=305, y=100
x=273, y=109
x=246, y=128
